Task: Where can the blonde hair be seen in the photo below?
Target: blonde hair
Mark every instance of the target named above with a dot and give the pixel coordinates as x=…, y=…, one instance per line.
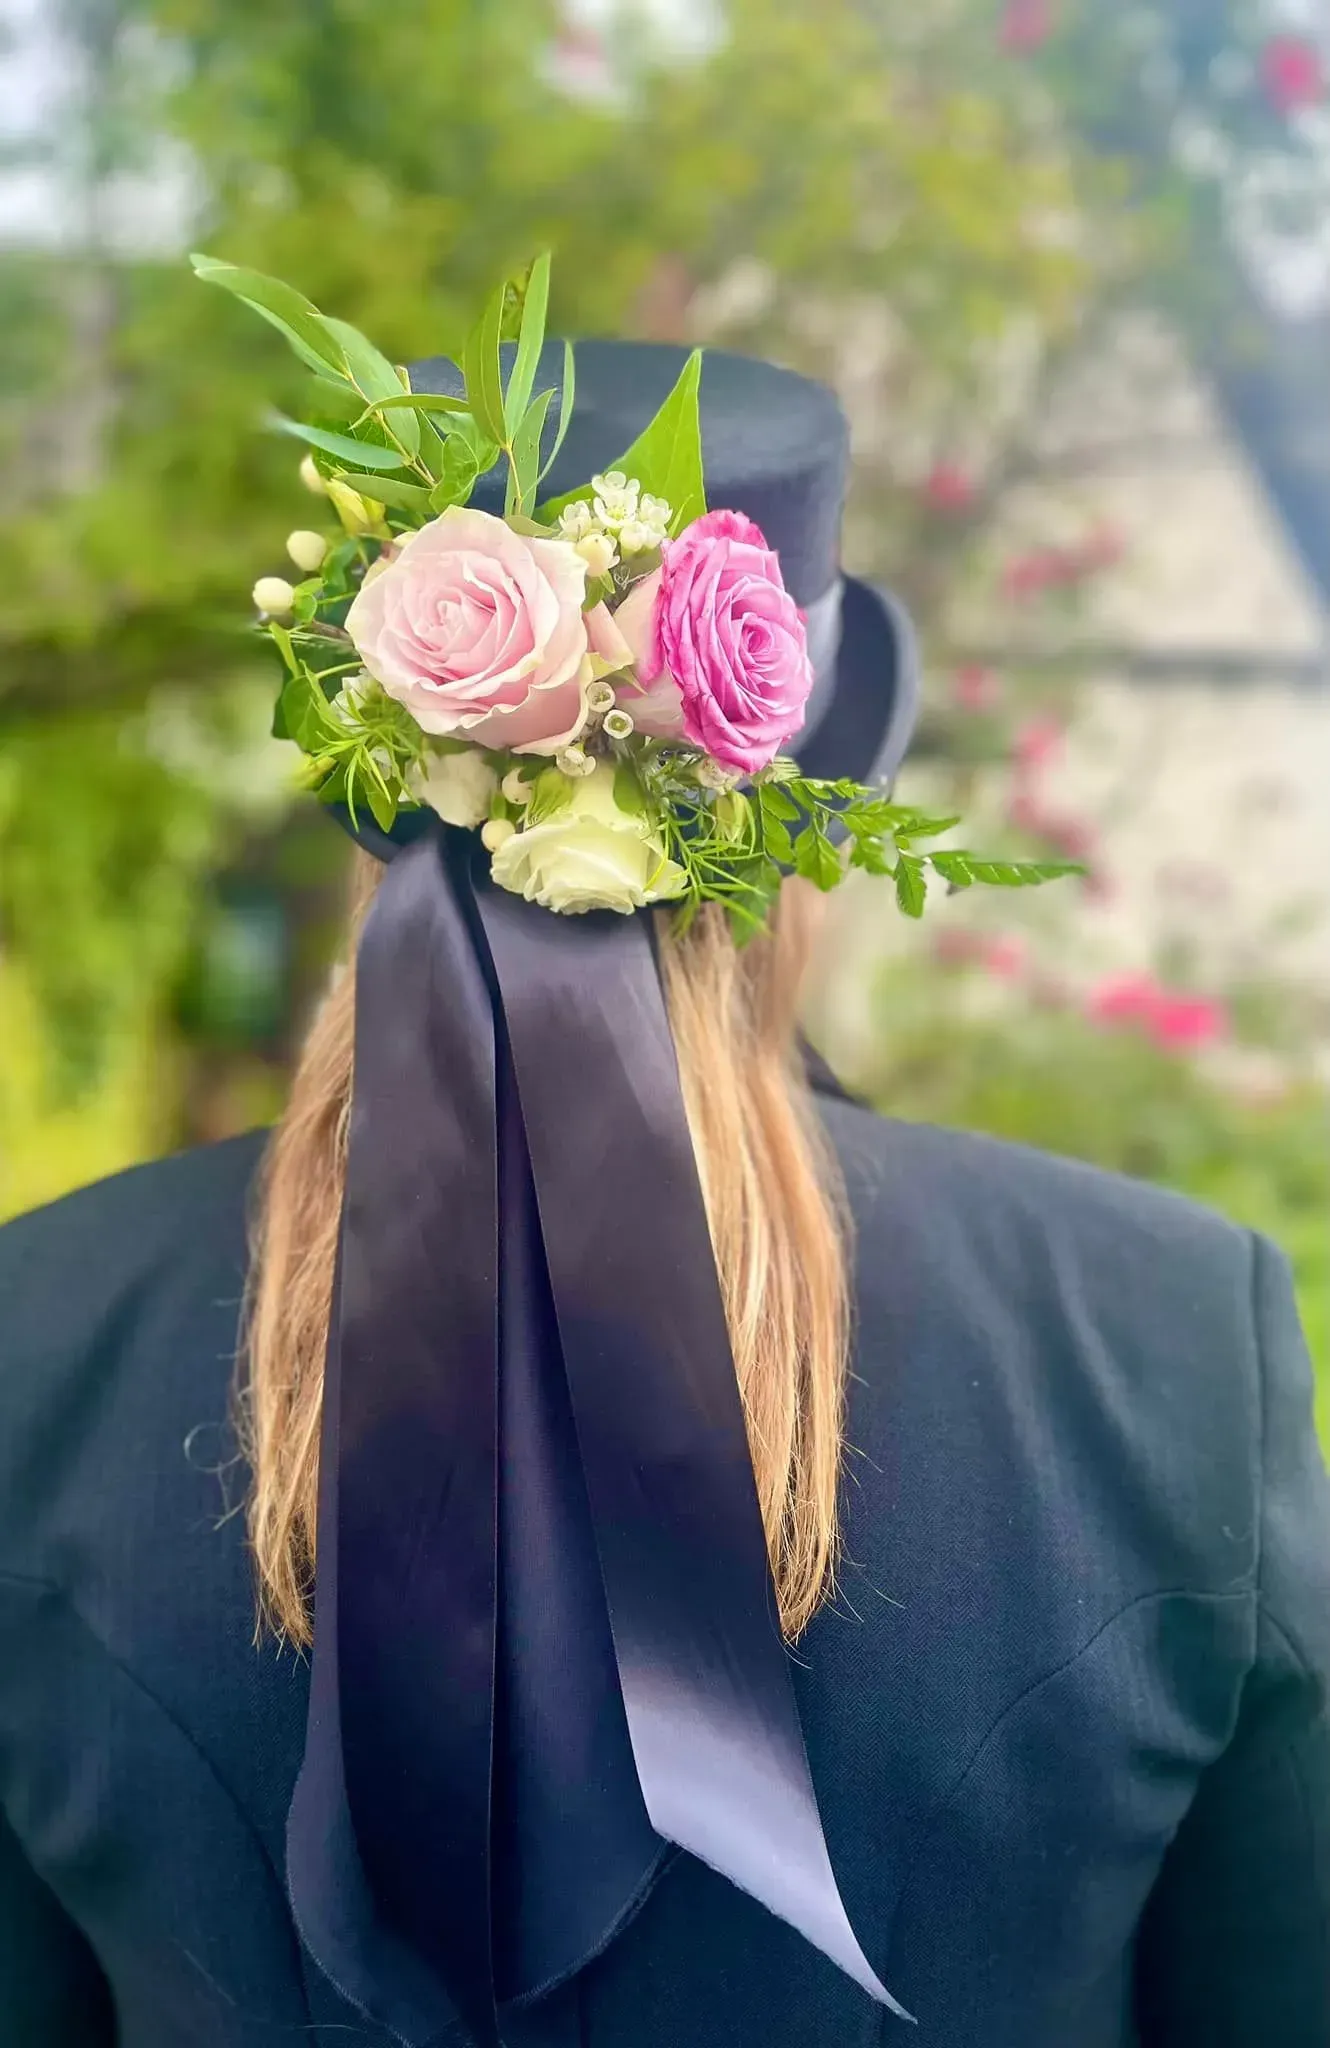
x=776, y=1221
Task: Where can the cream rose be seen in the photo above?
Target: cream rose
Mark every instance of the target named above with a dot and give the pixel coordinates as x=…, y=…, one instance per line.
x=478, y=631
x=456, y=784
x=591, y=855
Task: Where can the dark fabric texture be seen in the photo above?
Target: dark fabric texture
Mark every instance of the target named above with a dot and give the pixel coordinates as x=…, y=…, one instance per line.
x=1067, y=1718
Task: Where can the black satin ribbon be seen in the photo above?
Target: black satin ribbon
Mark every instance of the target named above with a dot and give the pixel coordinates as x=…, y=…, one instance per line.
x=546, y=1642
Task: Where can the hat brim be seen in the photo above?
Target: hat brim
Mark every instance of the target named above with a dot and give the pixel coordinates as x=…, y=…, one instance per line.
x=870, y=717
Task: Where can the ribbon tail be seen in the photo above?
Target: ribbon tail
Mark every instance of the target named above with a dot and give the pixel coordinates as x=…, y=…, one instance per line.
x=705, y=1678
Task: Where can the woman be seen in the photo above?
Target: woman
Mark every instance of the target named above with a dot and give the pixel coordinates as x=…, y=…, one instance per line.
x=577, y=1380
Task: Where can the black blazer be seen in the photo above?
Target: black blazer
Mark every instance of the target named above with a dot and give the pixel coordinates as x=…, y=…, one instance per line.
x=1067, y=1719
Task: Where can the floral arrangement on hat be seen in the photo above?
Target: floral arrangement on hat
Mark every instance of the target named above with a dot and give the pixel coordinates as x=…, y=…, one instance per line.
x=601, y=685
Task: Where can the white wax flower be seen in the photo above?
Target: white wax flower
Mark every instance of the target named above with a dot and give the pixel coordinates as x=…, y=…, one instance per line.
x=615, y=498
x=516, y=787
x=458, y=784
x=590, y=855
x=576, y=520
x=635, y=538
x=306, y=549
x=310, y=478
x=495, y=831
x=273, y=595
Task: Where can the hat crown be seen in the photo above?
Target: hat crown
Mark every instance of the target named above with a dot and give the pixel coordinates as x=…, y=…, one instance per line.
x=774, y=445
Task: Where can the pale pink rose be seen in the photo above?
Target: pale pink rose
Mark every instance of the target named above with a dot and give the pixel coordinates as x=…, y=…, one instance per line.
x=478, y=631
x=719, y=646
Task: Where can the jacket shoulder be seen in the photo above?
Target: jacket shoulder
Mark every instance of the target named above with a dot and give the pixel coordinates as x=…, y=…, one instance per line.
x=119, y=1308
x=1008, y=1195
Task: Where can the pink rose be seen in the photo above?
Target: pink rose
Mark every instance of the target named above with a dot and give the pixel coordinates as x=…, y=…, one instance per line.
x=478, y=631
x=718, y=645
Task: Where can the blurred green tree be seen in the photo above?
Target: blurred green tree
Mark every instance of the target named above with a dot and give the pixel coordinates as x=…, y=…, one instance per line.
x=390, y=162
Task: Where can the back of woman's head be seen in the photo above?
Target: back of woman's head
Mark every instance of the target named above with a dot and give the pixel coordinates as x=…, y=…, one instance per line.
x=776, y=1225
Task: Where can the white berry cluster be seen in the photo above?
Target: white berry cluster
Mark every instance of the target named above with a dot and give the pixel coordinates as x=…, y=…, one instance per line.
x=621, y=521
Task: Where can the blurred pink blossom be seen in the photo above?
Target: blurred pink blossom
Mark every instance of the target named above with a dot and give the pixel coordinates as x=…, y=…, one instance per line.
x=1031, y=574
x=1292, y=74
x=1004, y=957
x=1178, y=1022
x=1185, y=1023
x=948, y=487
x=1037, y=741
x=956, y=946
x=1123, y=999
x=976, y=688
x=1026, y=25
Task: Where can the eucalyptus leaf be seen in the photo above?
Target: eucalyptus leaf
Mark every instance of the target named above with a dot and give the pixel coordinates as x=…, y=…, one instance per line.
x=565, y=409
x=482, y=371
x=531, y=340
x=333, y=401
x=374, y=377
x=361, y=454
x=286, y=309
x=423, y=401
x=386, y=490
x=524, y=457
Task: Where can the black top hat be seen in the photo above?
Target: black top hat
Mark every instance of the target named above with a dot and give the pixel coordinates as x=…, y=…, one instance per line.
x=775, y=446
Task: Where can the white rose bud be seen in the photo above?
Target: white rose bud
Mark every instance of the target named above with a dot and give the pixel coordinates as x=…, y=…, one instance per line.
x=306, y=549
x=358, y=515
x=598, y=552
x=273, y=595
x=495, y=831
x=459, y=786
x=310, y=478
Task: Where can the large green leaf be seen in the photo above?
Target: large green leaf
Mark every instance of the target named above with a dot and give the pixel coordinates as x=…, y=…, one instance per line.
x=530, y=342
x=666, y=457
x=283, y=307
x=359, y=454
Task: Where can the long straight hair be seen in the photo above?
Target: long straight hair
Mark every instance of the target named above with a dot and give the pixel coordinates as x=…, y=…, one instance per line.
x=777, y=1226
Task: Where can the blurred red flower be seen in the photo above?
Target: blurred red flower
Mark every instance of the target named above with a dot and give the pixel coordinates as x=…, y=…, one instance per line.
x=976, y=689
x=1292, y=74
x=1180, y=1023
x=1185, y=1023
x=1004, y=957
x=1030, y=574
x=1036, y=742
x=1123, y=999
x=1026, y=25
x=948, y=487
